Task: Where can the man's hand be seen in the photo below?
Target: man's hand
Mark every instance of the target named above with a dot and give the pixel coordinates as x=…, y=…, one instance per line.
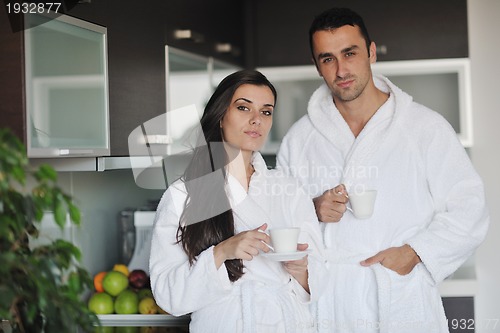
x=331, y=205
x=401, y=259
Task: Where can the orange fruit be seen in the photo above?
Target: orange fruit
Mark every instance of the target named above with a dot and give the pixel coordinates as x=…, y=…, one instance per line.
x=121, y=268
x=98, y=281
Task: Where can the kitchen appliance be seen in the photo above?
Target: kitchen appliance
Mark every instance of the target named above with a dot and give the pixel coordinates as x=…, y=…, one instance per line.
x=136, y=228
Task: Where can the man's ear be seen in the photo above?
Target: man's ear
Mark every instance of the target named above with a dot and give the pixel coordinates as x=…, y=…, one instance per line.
x=373, y=52
x=316, y=65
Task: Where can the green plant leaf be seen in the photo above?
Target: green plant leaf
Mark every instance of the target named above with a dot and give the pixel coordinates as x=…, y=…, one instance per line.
x=43, y=286
x=74, y=213
x=59, y=213
x=46, y=172
x=18, y=173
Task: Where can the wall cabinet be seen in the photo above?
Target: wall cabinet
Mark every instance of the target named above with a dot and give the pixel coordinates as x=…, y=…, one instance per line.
x=66, y=87
x=137, y=35
x=440, y=84
x=250, y=34
x=402, y=30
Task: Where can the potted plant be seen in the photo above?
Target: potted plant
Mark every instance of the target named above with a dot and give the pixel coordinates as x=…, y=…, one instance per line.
x=41, y=287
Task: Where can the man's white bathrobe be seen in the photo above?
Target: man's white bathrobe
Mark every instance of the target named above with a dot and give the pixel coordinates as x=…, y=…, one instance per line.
x=266, y=298
x=429, y=197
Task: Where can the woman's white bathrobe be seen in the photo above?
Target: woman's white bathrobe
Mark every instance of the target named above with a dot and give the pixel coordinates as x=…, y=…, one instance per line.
x=266, y=298
x=429, y=197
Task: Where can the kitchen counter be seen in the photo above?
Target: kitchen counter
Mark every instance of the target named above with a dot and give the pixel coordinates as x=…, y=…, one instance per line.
x=155, y=320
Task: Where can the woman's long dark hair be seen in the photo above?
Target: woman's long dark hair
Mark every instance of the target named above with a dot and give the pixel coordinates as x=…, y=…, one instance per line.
x=207, y=218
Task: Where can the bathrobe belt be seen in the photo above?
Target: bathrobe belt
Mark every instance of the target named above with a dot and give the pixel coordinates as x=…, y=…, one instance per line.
x=382, y=279
x=248, y=290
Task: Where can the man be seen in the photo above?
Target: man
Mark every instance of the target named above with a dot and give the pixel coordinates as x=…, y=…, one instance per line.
x=429, y=216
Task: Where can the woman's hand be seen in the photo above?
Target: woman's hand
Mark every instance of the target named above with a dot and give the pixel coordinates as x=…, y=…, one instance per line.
x=244, y=245
x=298, y=268
x=331, y=205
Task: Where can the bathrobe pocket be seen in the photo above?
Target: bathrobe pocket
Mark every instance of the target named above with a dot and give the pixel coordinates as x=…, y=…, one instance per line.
x=414, y=302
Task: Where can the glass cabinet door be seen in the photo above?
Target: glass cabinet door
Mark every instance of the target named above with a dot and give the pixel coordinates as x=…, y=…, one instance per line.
x=66, y=87
x=191, y=80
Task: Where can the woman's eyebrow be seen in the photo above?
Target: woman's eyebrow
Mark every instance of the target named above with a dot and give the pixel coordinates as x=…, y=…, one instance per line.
x=244, y=99
x=249, y=101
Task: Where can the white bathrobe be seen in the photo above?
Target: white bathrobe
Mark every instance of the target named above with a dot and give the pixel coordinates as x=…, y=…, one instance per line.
x=429, y=197
x=266, y=298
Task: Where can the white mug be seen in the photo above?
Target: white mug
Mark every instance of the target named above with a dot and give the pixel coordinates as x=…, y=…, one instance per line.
x=362, y=203
x=284, y=240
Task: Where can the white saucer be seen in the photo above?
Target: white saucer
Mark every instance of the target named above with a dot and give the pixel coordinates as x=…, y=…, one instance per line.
x=285, y=256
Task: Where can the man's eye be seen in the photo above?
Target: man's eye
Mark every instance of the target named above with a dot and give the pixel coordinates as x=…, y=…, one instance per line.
x=267, y=113
x=350, y=54
x=325, y=60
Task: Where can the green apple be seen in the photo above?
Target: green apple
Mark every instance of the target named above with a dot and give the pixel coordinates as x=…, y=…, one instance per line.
x=127, y=302
x=144, y=292
x=101, y=303
x=114, y=283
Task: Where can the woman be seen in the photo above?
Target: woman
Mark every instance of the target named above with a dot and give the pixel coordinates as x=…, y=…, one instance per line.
x=208, y=254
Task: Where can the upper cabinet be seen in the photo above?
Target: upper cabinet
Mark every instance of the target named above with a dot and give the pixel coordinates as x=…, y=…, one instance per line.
x=214, y=28
x=402, y=30
x=137, y=34
x=66, y=87
x=250, y=33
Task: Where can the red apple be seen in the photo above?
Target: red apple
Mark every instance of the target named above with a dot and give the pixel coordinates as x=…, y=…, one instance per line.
x=138, y=279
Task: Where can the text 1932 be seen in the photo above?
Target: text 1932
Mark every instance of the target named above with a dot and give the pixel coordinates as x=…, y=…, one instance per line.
x=471, y=324
x=32, y=8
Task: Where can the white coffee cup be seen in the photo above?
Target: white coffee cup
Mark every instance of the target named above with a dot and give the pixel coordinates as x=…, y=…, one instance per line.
x=284, y=240
x=362, y=203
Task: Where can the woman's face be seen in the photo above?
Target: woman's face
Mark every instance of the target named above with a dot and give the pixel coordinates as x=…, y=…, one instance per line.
x=249, y=117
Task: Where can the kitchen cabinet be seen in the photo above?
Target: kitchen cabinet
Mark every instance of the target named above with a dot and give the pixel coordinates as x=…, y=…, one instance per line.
x=170, y=137
x=66, y=87
x=440, y=84
x=137, y=35
x=402, y=30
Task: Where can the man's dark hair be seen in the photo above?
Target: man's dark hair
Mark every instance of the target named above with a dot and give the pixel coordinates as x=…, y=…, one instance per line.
x=335, y=18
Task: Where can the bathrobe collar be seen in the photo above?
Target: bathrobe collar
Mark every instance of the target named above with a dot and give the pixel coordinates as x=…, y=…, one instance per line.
x=326, y=118
x=358, y=152
x=251, y=207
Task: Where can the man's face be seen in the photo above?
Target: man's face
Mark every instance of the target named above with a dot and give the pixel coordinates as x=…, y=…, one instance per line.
x=343, y=61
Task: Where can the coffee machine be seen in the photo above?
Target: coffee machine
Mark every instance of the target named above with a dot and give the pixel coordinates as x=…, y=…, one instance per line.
x=136, y=227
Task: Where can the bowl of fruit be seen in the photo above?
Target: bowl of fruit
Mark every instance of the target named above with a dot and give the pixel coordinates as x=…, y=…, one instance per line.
x=122, y=297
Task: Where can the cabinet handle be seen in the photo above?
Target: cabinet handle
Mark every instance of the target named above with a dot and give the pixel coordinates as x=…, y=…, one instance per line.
x=227, y=48
x=64, y=152
x=223, y=47
x=188, y=34
x=381, y=49
x=158, y=139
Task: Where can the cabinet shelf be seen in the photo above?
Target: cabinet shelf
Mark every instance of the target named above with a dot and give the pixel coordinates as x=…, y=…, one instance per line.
x=157, y=320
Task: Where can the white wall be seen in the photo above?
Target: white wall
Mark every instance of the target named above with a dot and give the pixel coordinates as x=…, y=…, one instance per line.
x=484, y=46
x=101, y=196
